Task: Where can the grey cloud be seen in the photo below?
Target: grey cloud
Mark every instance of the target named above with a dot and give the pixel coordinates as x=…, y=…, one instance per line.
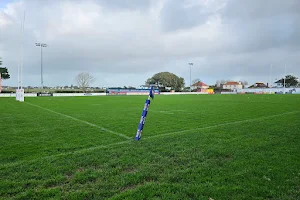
x=125, y=4
x=115, y=5
x=254, y=10
x=179, y=15
x=258, y=25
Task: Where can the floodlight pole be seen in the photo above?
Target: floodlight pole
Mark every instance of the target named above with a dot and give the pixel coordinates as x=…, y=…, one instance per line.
x=41, y=45
x=271, y=78
x=284, y=79
x=191, y=76
x=42, y=81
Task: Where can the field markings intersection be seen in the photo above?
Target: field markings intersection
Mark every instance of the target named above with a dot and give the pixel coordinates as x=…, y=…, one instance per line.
x=145, y=138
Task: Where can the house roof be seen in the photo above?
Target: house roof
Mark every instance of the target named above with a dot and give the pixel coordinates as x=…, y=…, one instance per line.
x=199, y=84
x=232, y=83
x=258, y=85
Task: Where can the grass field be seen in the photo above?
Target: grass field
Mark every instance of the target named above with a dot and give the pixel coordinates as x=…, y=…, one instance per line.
x=193, y=147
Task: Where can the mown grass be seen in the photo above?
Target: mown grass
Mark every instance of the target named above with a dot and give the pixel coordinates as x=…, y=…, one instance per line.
x=193, y=147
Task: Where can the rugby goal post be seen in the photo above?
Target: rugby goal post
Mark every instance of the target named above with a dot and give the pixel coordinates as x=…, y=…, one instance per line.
x=0, y=83
x=20, y=95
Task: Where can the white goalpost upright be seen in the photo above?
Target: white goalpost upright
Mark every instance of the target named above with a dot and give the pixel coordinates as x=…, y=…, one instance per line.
x=284, y=78
x=0, y=83
x=20, y=90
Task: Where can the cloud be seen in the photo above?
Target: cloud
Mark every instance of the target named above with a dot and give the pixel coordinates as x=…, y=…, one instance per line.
x=117, y=39
x=180, y=15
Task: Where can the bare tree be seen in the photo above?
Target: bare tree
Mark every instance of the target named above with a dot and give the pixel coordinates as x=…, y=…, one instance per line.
x=84, y=80
x=244, y=83
x=222, y=82
x=196, y=81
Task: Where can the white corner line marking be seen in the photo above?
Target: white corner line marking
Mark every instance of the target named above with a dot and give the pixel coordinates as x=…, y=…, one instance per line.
x=79, y=120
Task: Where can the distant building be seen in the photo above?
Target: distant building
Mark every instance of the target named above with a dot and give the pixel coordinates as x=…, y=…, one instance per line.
x=200, y=87
x=232, y=85
x=279, y=83
x=259, y=85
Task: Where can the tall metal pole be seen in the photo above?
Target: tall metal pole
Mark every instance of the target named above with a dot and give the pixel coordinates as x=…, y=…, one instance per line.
x=41, y=45
x=271, y=72
x=284, y=79
x=42, y=83
x=22, y=55
x=190, y=76
x=0, y=83
x=270, y=78
x=20, y=58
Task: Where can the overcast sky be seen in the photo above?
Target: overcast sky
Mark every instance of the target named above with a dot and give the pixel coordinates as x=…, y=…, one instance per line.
x=124, y=42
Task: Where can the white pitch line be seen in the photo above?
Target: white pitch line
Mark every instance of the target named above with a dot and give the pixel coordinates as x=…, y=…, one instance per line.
x=163, y=112
x=146, y=138
x=79, y=120
x=224, y=124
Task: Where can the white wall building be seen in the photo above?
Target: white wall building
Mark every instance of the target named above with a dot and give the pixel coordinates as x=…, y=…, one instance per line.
x=233, y=85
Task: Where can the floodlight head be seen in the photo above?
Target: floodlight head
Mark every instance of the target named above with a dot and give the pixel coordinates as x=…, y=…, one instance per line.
x=191, y=63
x=41, y=45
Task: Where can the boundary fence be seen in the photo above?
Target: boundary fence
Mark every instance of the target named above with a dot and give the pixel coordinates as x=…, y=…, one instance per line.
x=244, y=91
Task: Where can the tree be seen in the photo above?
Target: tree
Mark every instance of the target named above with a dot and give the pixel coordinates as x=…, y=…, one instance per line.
x=289, y=81
x=4, y=71
x=220, y=83
x=223, y=82
x=166, y=79
x=84, y=80
x=3, y=74
x=196, y=81
x=244, y=83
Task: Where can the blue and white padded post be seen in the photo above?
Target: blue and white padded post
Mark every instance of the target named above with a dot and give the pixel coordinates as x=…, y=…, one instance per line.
x=144, y=114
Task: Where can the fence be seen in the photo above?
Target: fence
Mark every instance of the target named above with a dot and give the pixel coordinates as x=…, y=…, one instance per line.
x=14, y=95
x=269, y=90
x=244, y=91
